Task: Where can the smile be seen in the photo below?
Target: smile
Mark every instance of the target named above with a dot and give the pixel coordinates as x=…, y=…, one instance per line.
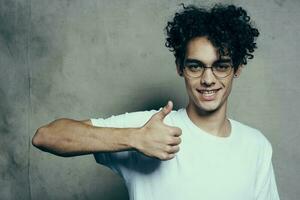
x=208, y=95
x=208, y=91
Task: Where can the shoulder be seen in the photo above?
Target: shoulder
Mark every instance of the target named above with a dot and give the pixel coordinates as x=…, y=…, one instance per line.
x=252, y=136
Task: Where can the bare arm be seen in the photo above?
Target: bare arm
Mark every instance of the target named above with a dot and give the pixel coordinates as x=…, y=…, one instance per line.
x=67, y=137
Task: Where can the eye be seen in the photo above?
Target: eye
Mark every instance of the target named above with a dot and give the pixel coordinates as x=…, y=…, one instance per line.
x=195, y=68
x=222, y=67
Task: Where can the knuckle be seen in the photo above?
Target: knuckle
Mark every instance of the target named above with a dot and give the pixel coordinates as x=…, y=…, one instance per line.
x=174, y=149
x=168, y=149
x=176, y=131
x=172, y=140
x=168, y=139
x=177, y=140
x=171, y=131
x=179, y=131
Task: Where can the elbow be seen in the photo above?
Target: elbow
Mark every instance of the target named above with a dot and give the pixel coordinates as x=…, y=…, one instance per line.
x=52, y=139
x=45, y=140
x=39, y=138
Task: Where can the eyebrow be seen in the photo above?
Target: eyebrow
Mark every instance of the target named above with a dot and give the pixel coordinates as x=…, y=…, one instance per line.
x=223, y=60
x=199, y=62
x=193, y=61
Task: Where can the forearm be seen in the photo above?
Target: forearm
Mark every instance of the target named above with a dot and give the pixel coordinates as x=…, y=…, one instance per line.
x=66, y=137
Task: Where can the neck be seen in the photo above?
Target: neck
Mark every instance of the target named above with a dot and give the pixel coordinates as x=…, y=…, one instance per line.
x=215, y=122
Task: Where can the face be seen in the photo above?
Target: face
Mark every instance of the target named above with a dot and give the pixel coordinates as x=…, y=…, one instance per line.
x=207, y=93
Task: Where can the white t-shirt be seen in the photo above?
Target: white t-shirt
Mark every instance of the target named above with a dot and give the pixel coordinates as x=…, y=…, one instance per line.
x=207, y=167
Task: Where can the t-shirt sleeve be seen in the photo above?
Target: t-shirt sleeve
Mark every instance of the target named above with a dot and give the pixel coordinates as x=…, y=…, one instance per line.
x=117, y=161
x=265, y=187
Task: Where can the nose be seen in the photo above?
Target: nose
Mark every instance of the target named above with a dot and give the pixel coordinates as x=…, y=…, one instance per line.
x=208, y=78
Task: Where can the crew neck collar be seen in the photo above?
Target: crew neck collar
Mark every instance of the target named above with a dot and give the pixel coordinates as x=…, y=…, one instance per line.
x=198, y=131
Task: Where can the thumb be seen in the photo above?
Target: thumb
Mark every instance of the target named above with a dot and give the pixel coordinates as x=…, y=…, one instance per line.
x=165, y=110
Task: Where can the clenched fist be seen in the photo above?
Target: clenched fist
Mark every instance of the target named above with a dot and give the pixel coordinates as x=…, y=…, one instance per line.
x=157, y=139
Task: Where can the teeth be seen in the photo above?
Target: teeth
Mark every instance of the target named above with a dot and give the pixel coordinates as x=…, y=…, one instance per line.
x=208, y=91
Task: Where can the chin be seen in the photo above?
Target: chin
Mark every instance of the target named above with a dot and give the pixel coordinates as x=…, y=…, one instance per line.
x=205, y=109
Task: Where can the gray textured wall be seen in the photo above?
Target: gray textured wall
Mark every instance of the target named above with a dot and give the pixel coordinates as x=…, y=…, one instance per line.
x=83, y=59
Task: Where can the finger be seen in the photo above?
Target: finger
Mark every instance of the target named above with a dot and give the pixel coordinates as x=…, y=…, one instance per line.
x=171, y=149
x=167, y=156
x=171, y=156
x=175, y=141
x=164, y=111
x=176, y=131
x=174, y=149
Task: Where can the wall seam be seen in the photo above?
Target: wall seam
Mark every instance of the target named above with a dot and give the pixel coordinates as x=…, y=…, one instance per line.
x=29, y=92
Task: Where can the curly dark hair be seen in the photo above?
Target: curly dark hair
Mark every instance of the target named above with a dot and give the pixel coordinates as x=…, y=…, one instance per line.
x=227, y=27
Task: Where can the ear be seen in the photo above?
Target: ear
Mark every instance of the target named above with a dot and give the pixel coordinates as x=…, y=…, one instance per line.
x=238, y=71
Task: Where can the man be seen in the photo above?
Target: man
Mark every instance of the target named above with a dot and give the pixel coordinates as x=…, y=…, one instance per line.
x=219, y=158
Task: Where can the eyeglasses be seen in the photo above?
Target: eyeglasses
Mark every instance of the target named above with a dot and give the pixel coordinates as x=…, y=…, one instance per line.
x=194, y=68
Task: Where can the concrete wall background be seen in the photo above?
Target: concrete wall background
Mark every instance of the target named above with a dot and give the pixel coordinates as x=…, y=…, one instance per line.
x=83, y=59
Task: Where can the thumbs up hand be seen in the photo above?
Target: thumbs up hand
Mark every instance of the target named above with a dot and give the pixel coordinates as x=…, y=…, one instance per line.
x=157, y=139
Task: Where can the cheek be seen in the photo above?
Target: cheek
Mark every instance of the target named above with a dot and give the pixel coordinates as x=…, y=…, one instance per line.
x=228, y=87
x=189, y=85
x=188, y=88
